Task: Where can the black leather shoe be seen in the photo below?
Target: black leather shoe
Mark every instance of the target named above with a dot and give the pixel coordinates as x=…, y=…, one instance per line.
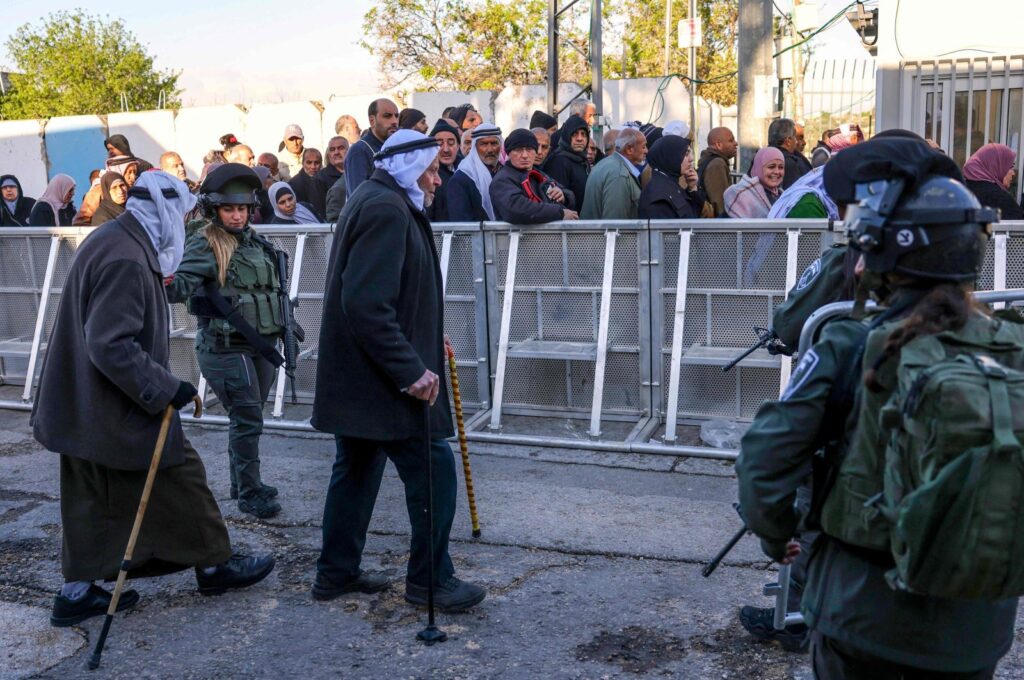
x=241, y=571
x=453, y=595
x=759, y=622
x=95, y=602
x=367, y=582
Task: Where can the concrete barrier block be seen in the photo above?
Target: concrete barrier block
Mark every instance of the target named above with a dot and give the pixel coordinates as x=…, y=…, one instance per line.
x=265, y=124
x=22, y=154
x=354, y=105
x=150, y=133
x=197, y=129
x=75, y=146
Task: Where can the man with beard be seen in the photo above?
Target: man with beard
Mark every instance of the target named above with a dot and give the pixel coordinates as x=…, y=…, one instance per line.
x=567, y=164
x=522, y=195
x=469, y=198
x=103, y=391
x=171, y=163
x=447, y=137
x=307, y=188
x=383, y=116
x=332, y=177
x=270, y=162
x=378, y=390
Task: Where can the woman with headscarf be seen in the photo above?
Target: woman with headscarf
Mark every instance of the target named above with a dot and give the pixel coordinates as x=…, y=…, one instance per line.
x=117, y=145
x=113, y=196
x=286, y=209
x=15, y=206
x=754, y=194
x=663, y=198
x=413, y=119
x=54, y=208
x=989, y=174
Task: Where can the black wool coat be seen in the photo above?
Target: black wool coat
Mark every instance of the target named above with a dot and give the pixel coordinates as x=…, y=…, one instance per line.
x=993, y=195
x=383, y=320
x=311, y=191
x=570, y=170
x=664, y=199
x=105, y=381
x=511, y=203
x=22, y=207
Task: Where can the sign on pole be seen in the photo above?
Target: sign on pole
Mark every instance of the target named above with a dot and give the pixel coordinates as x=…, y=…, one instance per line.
x=690, y=33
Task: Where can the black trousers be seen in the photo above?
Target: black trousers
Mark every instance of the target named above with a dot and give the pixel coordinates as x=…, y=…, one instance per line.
x=355, y=481
x=834, y=660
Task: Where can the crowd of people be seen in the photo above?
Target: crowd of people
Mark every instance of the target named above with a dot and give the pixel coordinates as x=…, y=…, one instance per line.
x=816, y=472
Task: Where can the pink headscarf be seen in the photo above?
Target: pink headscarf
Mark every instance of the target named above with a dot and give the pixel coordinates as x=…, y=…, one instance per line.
x=990, y=163
x=847, y=136
x=763, y=158
x=55, y=192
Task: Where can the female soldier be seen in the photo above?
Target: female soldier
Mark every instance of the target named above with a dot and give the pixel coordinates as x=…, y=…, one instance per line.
x=861, y=627
x=229, y=277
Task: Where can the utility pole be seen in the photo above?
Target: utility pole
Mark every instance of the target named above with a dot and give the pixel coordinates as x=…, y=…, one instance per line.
x=691, y=66
x=755, y=60
x=553, y=57
x=668, y=37
x=797, y=55
x=596, y=59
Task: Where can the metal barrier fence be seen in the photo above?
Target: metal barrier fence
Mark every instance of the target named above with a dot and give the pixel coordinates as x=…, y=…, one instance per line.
x=566, y=334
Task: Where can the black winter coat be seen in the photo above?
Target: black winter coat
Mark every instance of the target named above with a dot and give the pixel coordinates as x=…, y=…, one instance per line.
x=105, y=379
x=22, y=207
x=311, y=191
x=511, y=203
x=463, y=200
x=383, y=320
x=992, y=195
x=438, y=210
x=664, y=199
x=569, y=169
x=42, y=215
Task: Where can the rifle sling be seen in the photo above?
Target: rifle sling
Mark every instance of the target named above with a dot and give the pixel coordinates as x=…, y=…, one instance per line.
x=234, y=317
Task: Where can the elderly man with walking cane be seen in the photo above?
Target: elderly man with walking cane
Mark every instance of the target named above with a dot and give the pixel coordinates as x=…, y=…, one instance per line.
x=378, y=388
x=103, y=389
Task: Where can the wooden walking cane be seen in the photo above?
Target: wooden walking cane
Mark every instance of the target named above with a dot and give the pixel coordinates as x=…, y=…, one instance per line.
x=463, y=445
x=165, y=425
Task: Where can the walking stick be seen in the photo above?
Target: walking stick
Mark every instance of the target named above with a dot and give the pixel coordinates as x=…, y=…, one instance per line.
x=165, y=425
x=431, y=633
x=463, y=445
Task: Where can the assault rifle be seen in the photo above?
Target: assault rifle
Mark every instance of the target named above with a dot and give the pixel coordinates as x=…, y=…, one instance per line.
x=766, y=338
x=292, y=334
x=740, y=533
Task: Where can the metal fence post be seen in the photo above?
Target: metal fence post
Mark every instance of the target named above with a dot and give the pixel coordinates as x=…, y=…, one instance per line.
x=503, y=333
x=602, y=333
x=675, y=367
x=37, y=335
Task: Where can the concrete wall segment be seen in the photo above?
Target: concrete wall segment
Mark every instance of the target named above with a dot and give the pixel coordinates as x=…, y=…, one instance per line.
x=150, y=133
x=22, y=153
x=75, y=146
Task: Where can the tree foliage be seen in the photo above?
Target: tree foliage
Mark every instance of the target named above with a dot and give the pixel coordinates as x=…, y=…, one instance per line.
x=74, y=63
x=644, y=41
x=490, y=44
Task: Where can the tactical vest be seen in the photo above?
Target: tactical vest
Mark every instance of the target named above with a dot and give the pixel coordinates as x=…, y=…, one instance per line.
x=252, y=285
x=846, y=513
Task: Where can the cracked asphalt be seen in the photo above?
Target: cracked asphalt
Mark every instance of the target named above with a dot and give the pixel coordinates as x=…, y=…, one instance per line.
x=592, y=564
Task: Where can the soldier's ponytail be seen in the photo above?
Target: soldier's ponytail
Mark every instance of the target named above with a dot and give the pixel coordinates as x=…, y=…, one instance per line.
x=223, y=246
x=947, y=306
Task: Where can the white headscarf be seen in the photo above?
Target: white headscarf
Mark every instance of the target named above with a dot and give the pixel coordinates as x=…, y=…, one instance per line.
x=811, y=183
x=302, y=214
x=163, y=217
x=54, y=194
x=473, y=166
x=407, y=168
x=679, y=128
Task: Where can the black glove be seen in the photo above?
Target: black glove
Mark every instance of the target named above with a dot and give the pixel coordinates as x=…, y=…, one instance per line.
x=183, y=396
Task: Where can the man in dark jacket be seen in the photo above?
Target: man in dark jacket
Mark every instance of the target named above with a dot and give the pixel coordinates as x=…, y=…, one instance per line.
x=447, y=137
x=103, y=390
x=332, y=177
x=378, y=390
x=567, y=164
x=522, y=195
x=713, y=168
x=782, y=135
x=468, y=195
x=307, y=188
x=15, y=207
x=383, y=116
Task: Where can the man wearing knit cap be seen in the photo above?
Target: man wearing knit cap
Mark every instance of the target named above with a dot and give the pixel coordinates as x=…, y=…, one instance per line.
x=469, y=198
x=466, y=117
x=382, y=351
x=289, y=156
x=567, y=163
x=521, y=194
x=447, y=137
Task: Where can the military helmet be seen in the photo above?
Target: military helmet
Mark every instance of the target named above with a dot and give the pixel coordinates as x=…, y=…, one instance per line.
x=229, y=184
x=935, y=229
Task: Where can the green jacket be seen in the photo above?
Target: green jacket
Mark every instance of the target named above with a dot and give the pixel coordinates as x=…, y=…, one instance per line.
x=613, y=193
x=252, y=284
x=820, y=284
x=846, y=596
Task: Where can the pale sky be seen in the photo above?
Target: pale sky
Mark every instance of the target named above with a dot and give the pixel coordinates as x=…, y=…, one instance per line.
x=246, y=51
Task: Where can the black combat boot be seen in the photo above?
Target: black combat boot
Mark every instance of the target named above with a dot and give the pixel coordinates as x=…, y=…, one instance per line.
x=266, y=491
x=759, y=622
x=259, y=506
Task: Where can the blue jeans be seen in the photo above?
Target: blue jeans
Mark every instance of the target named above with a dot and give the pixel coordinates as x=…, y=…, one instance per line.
x=355, y=481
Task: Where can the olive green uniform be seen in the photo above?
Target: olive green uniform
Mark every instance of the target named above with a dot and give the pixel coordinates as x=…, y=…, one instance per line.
x=238, y=374
x=820, y=284
x=846, y=598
